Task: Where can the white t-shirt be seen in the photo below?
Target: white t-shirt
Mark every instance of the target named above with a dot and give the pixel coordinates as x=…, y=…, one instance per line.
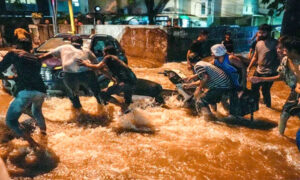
x=69, y=56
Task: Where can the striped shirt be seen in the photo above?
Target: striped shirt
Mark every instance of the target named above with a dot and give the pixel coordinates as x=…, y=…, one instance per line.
x=216, y=77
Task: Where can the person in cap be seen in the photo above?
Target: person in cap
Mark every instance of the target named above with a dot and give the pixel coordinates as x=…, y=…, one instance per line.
x=231, y=65
x=76, y=76
x=198, y=50
x=265, y=56
x=236, y=71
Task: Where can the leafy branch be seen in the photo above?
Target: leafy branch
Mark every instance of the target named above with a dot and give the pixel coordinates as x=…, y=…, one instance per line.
x=276, y=7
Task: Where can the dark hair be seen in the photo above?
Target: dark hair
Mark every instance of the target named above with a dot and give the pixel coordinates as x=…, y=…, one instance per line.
x=282, y=39
x=228, y=33
x=24, y=44
x=265, y=27
x=204, y=33
x=76, y=40
x=110, y=50
x=291, y=43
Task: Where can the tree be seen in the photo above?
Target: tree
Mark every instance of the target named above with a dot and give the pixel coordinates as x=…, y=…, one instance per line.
x=291, y=18
x=153, y=10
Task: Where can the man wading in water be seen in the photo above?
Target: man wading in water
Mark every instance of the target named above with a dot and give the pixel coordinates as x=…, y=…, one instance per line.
x=266, y=57
x=74, y=75
x=30, y=89
x=211, y=84
x=117, y=71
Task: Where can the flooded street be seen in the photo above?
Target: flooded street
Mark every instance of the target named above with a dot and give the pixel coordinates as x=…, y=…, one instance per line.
x=180, y=145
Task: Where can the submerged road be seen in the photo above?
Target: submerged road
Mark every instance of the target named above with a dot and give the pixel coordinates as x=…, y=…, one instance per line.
x=158, y=143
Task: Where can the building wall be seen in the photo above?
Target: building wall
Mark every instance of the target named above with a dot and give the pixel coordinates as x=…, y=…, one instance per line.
x=232, y=8
x=250, y=7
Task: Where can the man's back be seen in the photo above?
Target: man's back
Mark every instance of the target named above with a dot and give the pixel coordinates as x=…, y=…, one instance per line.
x=217, y=78
x=70, y=55
x=119, y=69
x=27, y=68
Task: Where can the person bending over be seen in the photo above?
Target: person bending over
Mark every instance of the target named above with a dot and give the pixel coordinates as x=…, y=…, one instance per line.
x=211, y=84
x=117, y=71
x=30, y=89
x=76, y=76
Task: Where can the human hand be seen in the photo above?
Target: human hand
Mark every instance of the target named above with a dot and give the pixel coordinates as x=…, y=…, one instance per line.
x=255, y=79
x=248, y=70
x=186, y=86
x=81, y=62
x=13, y=77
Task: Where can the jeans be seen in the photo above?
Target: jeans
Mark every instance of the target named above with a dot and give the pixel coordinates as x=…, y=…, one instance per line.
x=88, y=80
x=266, y=87
x=20, y=103
x=127, y=89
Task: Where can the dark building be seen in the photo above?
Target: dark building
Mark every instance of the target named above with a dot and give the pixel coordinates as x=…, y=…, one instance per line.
x=23, y=7
x=17, y=13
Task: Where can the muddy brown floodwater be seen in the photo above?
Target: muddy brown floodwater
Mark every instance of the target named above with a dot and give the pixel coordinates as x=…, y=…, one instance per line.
x=160, y=143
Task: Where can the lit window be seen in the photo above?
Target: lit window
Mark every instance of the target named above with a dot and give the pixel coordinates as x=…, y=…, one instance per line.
x=21, y=1
x=203, y=8
x=21, y=5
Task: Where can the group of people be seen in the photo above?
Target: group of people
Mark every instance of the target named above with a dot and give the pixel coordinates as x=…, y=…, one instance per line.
x=222, y=79
x=80, y=68
x=274, y=60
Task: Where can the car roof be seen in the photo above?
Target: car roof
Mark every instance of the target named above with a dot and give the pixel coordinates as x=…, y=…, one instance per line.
x=83, y=36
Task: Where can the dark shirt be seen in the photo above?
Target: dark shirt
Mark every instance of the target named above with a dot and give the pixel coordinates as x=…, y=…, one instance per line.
x=228, y=45
x=27, y=68
x=120, y=70
x=201, y=48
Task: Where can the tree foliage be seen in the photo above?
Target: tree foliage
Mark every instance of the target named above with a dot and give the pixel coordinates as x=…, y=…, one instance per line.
x=276, y=7
x=153, y=10
x=291, y=21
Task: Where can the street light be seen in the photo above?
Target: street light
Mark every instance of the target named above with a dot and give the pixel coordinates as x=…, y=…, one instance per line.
x=97, y=9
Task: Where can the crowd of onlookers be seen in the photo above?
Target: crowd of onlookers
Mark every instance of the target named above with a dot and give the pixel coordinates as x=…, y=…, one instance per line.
x=273, y=60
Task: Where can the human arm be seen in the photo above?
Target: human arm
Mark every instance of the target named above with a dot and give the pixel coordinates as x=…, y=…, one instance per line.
x=13, y=77
x=240, y=65
x=255, y=79
x=53, y=53
x=200, y=86
x=100, y=66
x=188, y=59
x=6, y=62
x=193, y=77
x=253, y=60
x=250, y=53
x=88, y=64
x=45, y=56
x=3, y=171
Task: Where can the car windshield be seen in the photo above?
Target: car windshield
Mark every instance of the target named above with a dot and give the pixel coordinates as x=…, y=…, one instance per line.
x=100, y=43
x=55, y=42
